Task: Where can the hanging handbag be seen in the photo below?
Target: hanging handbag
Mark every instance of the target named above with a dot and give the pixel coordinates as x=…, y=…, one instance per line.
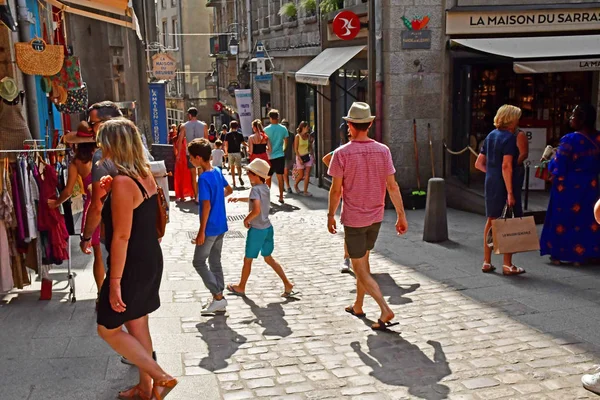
x=69, y=76
x=77, y=101
x=161, y=213
x=542, y=172
x=39, y=58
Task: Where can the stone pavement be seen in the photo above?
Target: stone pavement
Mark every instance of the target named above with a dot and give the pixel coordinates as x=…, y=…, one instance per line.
x=463, y=335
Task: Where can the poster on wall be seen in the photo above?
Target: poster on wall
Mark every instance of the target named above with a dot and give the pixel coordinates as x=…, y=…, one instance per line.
x=243, y=99
x=537, y=144
x=158, y=112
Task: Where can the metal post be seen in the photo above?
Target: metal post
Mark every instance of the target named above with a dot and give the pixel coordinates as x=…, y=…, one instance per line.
x=444, y=159
x=30, y=86
x=527, y=167
x=372, y=58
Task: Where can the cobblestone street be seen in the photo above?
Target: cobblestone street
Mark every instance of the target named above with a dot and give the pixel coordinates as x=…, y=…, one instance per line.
x=461, y=335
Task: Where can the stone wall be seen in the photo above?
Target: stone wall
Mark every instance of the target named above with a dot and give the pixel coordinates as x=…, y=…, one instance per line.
x=520, y=2
x=412, y=95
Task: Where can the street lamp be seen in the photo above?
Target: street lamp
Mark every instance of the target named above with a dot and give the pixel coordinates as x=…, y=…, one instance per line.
x=234, y=46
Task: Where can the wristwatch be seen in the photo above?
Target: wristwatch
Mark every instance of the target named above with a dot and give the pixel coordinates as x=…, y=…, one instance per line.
x=83, y=238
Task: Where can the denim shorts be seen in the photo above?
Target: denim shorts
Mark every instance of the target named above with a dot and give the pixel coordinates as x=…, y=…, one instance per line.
x=260, y=241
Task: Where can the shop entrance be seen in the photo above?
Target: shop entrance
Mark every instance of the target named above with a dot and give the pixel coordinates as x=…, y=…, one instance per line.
x=546, y=100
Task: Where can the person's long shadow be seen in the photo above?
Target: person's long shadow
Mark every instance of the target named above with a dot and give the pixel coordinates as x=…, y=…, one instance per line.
x=391, y=290
x=271, y=317
x=222, y=341
x=286, y=207
x=395, y=361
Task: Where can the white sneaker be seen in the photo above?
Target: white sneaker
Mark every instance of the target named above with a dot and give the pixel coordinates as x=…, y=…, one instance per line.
x=592, y=381
x=346, y=267
x=215, y=306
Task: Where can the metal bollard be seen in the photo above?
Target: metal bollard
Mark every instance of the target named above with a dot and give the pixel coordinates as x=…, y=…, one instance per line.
x=436, y=219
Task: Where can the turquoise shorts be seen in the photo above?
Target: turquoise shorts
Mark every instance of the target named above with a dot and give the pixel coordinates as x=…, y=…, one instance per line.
x=260, y=241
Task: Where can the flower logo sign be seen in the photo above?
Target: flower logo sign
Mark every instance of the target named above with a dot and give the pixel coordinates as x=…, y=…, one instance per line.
x=416, y=24
x=417, y=36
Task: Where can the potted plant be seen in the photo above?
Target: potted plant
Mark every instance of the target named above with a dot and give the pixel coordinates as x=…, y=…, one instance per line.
x=289, y=10
x=328, y=6
x=309, y=6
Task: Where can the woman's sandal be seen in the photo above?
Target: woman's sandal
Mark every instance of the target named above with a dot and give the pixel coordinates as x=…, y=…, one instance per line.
x=487, y=268
x=167, y=385
x=512, y=270
x=135, y=393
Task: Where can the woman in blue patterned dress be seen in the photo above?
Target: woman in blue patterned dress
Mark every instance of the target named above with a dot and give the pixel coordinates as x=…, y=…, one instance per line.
x=498, y=159
x=571, y=234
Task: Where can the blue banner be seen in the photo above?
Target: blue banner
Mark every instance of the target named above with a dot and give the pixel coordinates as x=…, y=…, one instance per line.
x=158, y=112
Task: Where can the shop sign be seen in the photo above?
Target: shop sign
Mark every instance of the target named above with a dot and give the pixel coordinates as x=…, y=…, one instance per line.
x=158, y=112
x=218, y=106
x=264, y=78
x=416, y=40
x=346, y=25
x=243, y=99
x=522, y=21
x=538, y=67
x=164, y=67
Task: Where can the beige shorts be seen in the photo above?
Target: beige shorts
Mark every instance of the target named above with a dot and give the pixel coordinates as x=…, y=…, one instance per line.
x=235, y=159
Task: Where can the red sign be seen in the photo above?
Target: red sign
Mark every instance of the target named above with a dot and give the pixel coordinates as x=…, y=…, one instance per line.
x=218, y=106
x=346, y=25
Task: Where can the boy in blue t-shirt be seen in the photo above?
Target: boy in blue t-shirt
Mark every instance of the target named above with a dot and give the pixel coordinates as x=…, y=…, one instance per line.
x=212, y=190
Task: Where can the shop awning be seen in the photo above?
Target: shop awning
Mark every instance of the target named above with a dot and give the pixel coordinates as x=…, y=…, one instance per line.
x=540, y=67
x=535, y=47
x=118, y=7
x=319, y=69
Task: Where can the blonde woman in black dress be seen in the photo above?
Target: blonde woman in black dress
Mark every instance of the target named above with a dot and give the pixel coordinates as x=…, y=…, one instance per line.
x=135, y=263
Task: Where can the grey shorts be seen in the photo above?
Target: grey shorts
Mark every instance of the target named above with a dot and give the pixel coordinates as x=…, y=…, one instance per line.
x=360, y=240
x=235, y=159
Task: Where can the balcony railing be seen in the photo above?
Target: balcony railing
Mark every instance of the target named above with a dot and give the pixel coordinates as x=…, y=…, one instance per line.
x=214, y=3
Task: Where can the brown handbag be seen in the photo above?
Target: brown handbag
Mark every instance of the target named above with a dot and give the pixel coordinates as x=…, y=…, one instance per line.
x=161, y=214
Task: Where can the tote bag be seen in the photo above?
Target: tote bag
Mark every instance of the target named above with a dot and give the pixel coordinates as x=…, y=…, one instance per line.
x=514, y=235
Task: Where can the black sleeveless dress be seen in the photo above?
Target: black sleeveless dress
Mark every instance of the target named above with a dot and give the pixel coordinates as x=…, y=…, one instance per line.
x=143, y=266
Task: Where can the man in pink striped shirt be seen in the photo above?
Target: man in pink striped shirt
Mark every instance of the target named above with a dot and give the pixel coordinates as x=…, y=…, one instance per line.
x=362, y=170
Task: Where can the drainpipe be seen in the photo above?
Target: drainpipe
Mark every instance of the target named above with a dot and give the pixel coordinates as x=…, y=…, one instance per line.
x=23, y=17
x=379, y=69
x=181, y=50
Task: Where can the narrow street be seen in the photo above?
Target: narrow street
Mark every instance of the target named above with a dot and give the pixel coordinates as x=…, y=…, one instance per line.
x=462, y=334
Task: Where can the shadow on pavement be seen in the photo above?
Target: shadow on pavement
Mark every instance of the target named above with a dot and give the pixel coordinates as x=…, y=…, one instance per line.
x=395, y=361
x=275, y=208
x=188, y=207
x=271, y=318
x=394, y=292
x=222, y=341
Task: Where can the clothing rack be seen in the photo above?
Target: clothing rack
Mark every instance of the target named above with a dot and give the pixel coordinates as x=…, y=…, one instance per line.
x=70, y=276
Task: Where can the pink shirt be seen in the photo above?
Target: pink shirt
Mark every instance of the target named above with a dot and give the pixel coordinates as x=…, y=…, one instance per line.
x=364, y=168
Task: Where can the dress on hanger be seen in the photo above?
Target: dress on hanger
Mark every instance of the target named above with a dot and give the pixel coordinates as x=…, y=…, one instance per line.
x=51, y=220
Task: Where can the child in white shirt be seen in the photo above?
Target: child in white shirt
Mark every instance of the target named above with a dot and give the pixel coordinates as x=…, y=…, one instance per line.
x=218, y=154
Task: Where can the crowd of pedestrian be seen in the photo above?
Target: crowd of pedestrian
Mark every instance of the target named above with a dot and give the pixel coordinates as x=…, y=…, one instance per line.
x=112, y=161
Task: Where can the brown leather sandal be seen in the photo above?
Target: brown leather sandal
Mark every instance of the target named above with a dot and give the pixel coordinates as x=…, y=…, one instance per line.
x=512, y=270
x=133, y=393
x=167, y=385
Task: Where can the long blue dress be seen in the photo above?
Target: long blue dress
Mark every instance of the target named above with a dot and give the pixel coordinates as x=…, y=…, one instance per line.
x=571, y=233
x=497, y=144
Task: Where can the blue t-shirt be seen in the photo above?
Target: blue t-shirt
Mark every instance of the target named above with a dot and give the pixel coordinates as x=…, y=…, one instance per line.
x=277, y=134
x=211, y=185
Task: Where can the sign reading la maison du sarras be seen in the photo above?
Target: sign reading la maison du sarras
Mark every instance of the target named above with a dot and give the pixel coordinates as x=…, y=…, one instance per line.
x=517, y=21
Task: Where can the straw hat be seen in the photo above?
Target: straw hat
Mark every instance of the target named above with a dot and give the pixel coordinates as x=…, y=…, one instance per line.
x=83, y=135
x=59, y=94
x=8, y=89
x=259, y=167
x=359, y=113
